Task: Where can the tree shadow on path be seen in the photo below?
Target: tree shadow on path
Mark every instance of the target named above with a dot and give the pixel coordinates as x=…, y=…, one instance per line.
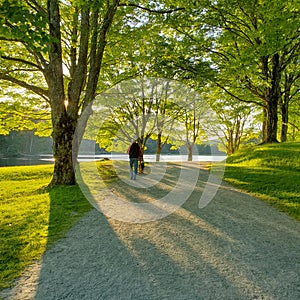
x=237, y=247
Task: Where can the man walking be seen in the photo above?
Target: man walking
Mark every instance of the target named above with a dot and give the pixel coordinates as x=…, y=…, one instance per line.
x=134, y=153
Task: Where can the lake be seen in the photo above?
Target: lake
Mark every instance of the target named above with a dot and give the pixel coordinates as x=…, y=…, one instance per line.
x=48, y=159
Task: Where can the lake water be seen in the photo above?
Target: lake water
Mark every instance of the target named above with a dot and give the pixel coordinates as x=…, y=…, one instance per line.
x=48, y=159
x=26, y=161
x=152, y=157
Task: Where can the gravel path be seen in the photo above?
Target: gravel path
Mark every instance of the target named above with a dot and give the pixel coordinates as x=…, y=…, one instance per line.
x=237, y=247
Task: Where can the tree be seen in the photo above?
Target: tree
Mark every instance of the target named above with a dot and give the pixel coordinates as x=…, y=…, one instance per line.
x=166, y=109
x=242, y=47
x=259, y=39
x=129, y=116
x=35, y=28
x=194, y=116
x=234, y=120
x=137, y=109
x=56, y=50
x=294, y=119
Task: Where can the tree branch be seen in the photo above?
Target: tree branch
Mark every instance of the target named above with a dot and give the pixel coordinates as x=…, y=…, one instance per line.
x=21, y=61
x=252, y=88
x=291, y=54
x=3, y=38
x=202, y=46
x=236, y=97
x=98, y=44
x=37, y=90
x=38, y=56
x=78, y=74
x=292, y=124
x=34, y=5
x=152, y=10
x=22, y=70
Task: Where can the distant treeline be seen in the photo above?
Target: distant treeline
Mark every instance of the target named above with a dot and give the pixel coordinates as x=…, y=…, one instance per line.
x=19, y=143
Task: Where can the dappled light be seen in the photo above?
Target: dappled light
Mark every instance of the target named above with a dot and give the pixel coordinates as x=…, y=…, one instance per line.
x=169, y=88
x=232, y=247
x=188, y=243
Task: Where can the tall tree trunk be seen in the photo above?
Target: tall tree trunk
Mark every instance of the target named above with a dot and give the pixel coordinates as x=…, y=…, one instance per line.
x=159, y=144
x=228, y=150
x=231, y=142
x=273, y=97
x=272, y=121
x=264, y=124
x=285, y=121
x=157, y=156
x=63, y=135
x=285, y=100
x=158, y=147
x=190, y=151
x=79, y=132
x=64, y=119
x=63, y=125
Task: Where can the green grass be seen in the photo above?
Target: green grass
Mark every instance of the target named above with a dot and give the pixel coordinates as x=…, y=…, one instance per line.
x=33, y=217
x=270, y=172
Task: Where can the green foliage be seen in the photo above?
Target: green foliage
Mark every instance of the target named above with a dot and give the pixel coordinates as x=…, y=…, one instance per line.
x=21, y=22
x=16, y=116
x=294, y=119
x=161, y=109
x=270, y=172
x=32, y=218
x=199, y=42
x=234, y=121
x=232, y=44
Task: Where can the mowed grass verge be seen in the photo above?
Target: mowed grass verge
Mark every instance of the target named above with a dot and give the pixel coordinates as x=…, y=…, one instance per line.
x=270, y=172
x=33, y=217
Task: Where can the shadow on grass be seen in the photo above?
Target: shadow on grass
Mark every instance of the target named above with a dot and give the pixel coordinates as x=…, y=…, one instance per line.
x=67, y=205
x=33, y=223
x=277, y=186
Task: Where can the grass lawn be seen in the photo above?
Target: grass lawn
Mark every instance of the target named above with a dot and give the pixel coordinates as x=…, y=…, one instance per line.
x=32, y=217
x=270, y=172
